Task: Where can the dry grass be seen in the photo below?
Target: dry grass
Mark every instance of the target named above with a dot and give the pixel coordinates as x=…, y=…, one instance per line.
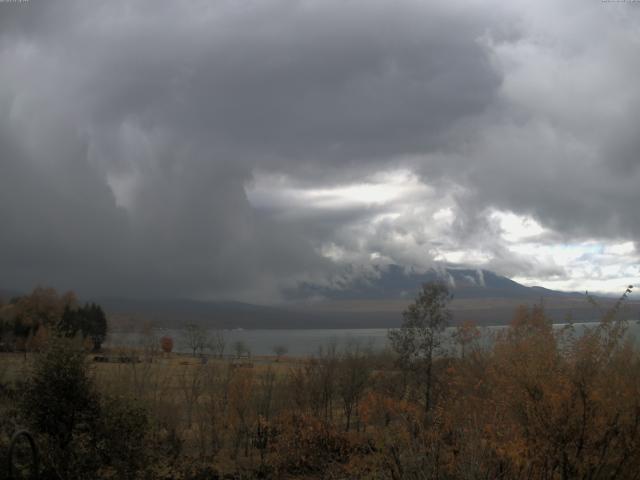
x=184, y=395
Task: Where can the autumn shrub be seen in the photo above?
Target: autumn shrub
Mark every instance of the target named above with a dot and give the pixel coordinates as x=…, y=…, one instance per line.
x=306, y=445
x=552, y=412
x=166, y=343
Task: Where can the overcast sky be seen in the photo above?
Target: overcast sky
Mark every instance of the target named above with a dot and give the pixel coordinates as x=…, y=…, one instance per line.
x=229, y=149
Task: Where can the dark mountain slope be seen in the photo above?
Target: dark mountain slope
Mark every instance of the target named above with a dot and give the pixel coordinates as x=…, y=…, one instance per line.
x=376, y=302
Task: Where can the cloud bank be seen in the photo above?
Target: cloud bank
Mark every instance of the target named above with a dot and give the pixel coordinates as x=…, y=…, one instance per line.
x=231, y=149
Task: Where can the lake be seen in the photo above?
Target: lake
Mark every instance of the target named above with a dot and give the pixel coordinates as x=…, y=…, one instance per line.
x=301, y=342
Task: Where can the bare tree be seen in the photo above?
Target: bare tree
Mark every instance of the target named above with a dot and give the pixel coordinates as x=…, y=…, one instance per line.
x=353, y=377
x=279, y=351
x=196, y=338
x=212, y=409
x=217, y=343
x=466, y=335
x=240, y=348
x=148, y=342
x=264, y=404
x=191, y=384
x=241, y=399
x=320, y=375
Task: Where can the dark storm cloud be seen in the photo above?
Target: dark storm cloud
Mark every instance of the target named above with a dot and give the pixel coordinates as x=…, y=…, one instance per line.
x=131, y=132
x=563, y=143
x=130, y=129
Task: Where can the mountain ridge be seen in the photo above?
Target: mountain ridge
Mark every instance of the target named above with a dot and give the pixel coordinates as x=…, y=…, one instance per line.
x=376, y=301
x=478, y=295
x=393, y=281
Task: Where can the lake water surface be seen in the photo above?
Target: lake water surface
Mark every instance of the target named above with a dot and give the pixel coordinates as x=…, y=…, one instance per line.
x=302, y=342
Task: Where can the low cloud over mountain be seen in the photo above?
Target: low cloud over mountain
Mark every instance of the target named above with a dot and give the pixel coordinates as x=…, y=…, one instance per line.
x=395, y=283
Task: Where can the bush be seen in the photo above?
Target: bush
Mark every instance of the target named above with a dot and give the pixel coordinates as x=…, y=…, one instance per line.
x=121, y=437
x=305, y=445
x=166, y=343
x=59, y=402
x=80, y=434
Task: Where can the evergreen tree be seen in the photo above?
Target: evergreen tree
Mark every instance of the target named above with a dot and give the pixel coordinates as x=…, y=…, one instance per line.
x=96, y=325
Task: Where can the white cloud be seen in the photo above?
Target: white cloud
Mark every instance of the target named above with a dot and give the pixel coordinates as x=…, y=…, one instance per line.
x=414, y=224
x=381, y=189
x=517, y=228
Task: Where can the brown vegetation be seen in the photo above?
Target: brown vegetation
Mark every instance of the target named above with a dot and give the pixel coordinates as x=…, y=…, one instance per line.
x=538, y=403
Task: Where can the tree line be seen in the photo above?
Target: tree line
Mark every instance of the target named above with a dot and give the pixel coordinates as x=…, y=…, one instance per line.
x=26, y=322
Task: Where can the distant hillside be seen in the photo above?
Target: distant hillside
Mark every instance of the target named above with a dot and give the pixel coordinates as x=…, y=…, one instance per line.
x=373, y=302
x=128, y=314
x=393, y=282
x=378, y=302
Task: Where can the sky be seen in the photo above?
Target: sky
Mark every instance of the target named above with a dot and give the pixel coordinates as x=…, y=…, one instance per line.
x=235, y=148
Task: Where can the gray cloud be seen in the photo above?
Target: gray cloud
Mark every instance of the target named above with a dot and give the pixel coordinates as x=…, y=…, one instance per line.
x=131, y=131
